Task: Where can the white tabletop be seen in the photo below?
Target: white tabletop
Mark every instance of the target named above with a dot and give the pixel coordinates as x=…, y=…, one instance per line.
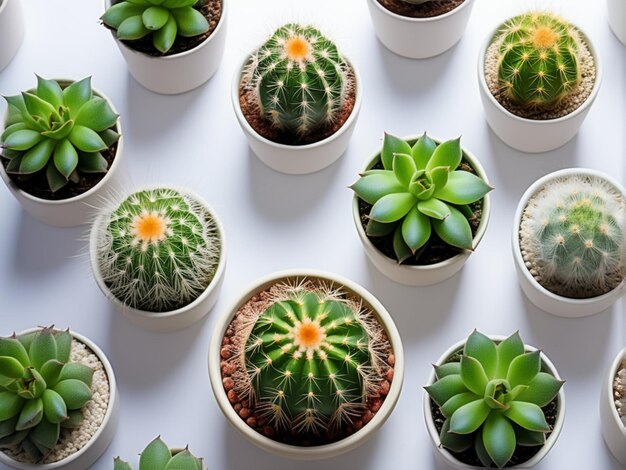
x=274, y=221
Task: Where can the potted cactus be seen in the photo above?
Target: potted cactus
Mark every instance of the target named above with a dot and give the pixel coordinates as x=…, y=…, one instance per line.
x=569, y=242
x=61, y=147
x=617, y=18
x=297, y=99
x=170, y=46
x=158, y=456
x=58, y=400
x=419, y=29
x=306, y=364
x=159, y=255
x=613, y=407
x=11, y=30
x=493, y=401
x=538, y=76
x=420, y=208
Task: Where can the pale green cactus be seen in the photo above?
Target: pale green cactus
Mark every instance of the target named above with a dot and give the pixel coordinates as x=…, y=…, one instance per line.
x=157, y=456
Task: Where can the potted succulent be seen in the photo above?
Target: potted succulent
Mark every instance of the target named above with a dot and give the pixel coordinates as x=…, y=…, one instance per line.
x=159, y=256
x=538, y=76
x=493, y=401
x=569, y=242
x=306, y=364
x=297, y=99
x=420, y=208
x=418, y=29
x=617, y=18
x=58, y=400
x=158, y=456
x=170, y=46
x=613, y=407
x=11, y=30
x=61, y=147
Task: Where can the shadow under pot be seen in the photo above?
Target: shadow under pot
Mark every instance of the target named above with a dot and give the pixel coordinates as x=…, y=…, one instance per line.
x=616, y=10
x=306, y=364
x=170, y=46
x=421, y=208
x=538, y=76
x=159, y=256
x=62, y=150
x=297, y=99
x=11, y=30
x=68, y=401
x=568, y=242
x=613, y=407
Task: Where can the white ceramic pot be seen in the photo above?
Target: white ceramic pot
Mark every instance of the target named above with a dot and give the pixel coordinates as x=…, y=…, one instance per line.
x=419, y=38
x=99, y=442
x=536, y=293
x=177, y=73
x=76, y=210
x=613, y=429
x=450, y=459
x=425, y=275
x=533, y=135
x=617, y=18
x=298, y=159
x=172, y=320
x=292, y=451
x=11, y=30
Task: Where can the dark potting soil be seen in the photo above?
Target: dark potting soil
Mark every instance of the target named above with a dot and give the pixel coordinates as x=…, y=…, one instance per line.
x=423, y=10
x=435, y=250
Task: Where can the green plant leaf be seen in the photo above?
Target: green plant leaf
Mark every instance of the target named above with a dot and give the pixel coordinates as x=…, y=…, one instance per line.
x=42, y=348
x=392, y=207
x=457, y=401
x=7, y=427
x=403, y=168
x=473, y=375
x=482, y=348
x=415, y=229
x=462, y=188
x=178, y=3
x=190, y=21
x=109, y=137
x=541, y=390
x=184, y=460
x=45, y=436
x=446, y=154
x=164, y=38
x=65, y=158
x=86, y=140
x=75, y=370
x=60, y=132
x=445, y=388
x=422, y=151
x=22, y=140
x=400, y=248
x=452, y=441
x=454, y=229
x=51, y=371
x=527, y=415
x=55, y=179
x=18, y=126
x=377, y=229
x=64, y=345
x=448, y=368
x=38, y=385
x=119, y=464
x=439, y=177
x=50, y=91
x=524, y=437
x=481, y=452
x=31, y=414
x=75, y=418
x=74, y=392
x=77, y=94
x=12, y=347
x=37, y=157
x=524, y=368
x=508, y=350
x=132, y=28
x=117, y=13
x=434, y=208
x=97, y=115
x=141, y=2
x=10, y=405
x=155, y=456
x=469, y=417
x=154, y=18
x=499, y=439
x=11, y=367
x=54, y=407
x=372, y=187
x=392, y=145
x=38, y=107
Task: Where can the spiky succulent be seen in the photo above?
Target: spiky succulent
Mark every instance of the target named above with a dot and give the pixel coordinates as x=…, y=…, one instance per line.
x=164, y=20
x=420, y=188
x=538, y=63
x=158, y=250
x=158, y=456
x=300, y=78
x=41, y=390
x=58, y=128
x=573, y=236
x=492, y=398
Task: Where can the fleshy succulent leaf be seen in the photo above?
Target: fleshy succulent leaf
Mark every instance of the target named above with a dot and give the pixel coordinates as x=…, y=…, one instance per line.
x=96, y=114
x=473, y=375
x=54, y=406
x=392, y=207
x=439, y=177
x=77, y=371
x=524, y=368
x=119, y=464
x=164, y=38
x=462, y=188
x=480, y=347
x=30, y=415
x=154, y=18
x=434, y=208
x=184, y=460
x=22, y=139
x=391, y=146
x=422, y=150
x=190, y=21
x=454, y=442
x=13, y=348
x=77, y=94
x=447, y=154
x=65, y=158
x=458, y=401
x=449, y=368
x=415, y=229
x=527, y=415
x=132, y=28
x=454, y=229
x=542, y=389
x=508, y=350
x=74, y=392
x=372, y=187
x=155, y=456
x=400, y=248
x=117, y=13
x=469, y=417
x=403, y=168
x=445, y=388
x=86, y=139
x=43, y=347
x=50, y=371
x=377, y=229
x=11, y=367
x=50, y=91
x=10, y=405
x=498, y=436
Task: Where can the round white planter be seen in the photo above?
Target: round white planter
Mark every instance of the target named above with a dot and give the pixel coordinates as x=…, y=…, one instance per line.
x=617, y=18
x=613, y=429
x=291, y=451
x=450, y=459
x=536, y=293
x=419, y=38
x=76, y=210
x=532, y=135
x=425, y=275
x=177, y=73
x=298, y=159
x=172, y=320
x=11, y=30
x=99, y=442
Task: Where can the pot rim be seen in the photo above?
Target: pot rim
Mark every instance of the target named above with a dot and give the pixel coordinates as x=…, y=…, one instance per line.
x=607, y=393
x=432, y=19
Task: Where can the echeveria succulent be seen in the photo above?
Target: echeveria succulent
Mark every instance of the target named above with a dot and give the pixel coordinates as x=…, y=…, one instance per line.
x=157, y=456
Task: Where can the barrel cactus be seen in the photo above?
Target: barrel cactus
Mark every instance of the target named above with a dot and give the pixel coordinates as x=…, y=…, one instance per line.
x=573, y=237
x=157, y=456
x=538, y=63
x=301, y=79
x=158, y=250
x=41, y=391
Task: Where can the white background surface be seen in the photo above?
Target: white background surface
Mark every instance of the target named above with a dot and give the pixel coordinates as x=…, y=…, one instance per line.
x=274, y=221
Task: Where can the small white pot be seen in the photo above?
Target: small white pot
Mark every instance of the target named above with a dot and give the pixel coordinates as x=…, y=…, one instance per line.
x=11, y=30
x=426, y=275
x=419, y=38
x=172, y=320
x=450, y=459
x=533, y=135
x=613, y=429
x=298, y=159
x=177, y=73
x=617, y=18
x=76, y=210
x=536, y=293
x=99, y=442
x=292, y=451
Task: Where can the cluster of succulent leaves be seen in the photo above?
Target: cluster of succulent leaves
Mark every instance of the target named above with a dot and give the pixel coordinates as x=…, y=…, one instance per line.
x=164, y=20
x=492, y=398
x=419, y=190
x=58, y=130
x=157, y=456
x=41, y=391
